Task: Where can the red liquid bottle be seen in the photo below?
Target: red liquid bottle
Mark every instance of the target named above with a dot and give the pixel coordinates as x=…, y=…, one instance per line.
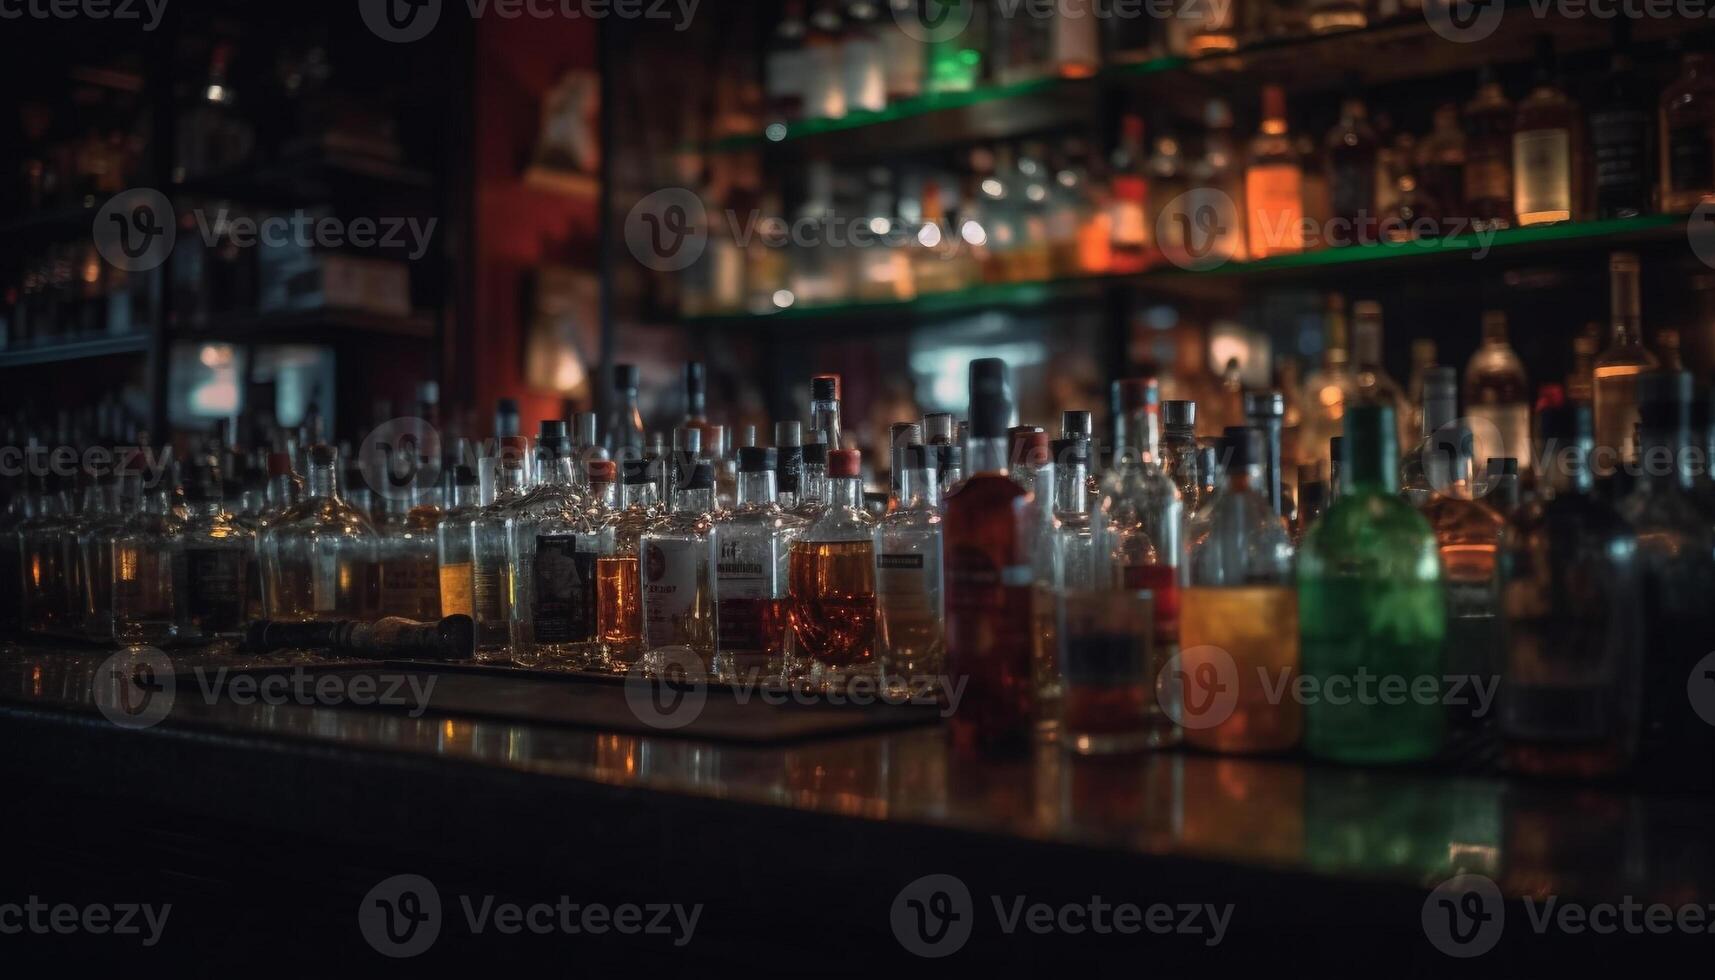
x=988, y=581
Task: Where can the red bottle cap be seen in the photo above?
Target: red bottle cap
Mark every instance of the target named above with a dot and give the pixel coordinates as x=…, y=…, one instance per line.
x=1550, y=396
x=601, y=470
x=845, y=463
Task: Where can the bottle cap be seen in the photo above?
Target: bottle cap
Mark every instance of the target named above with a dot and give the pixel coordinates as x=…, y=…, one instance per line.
x=991, y=401
x=905, y=433
x=626, y=377
x=1076, y=423
x=701, y=477
x=1265, y=405
x=551, y=430
x=845, y=463
x=756, y=459
x=601, y=470
x=816, y=454
x=825, y=388
x=1502, y=466
x=1242, y=445
x=915, y=457
x=788, y=433
x=1179, y=413
x=323, y=454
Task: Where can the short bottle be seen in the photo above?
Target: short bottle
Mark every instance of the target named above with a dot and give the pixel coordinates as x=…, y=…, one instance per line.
x=218, y=551
x=910, y=617
x=676, y=560
x=556, y=538
x=318, y=557
x=832, y=582
x=149, y=573
x=409, y=560
x=453, y=539
x=752, y=544
x=491, y=573
x=619, y=589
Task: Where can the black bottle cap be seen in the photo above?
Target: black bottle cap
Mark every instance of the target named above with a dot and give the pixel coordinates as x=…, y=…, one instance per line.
x=1265, y=405
x=915, y=457
x=756, y=459
x=1502, y=466
x=1070, y=452
x=991, y=402
x=1179, y=413
x=701, y=477
x=1077, y=422
x=825, y=388
x=1243, y=446
x=816, y=454
x=626, y=377
x=464, y=476
x=950, y=458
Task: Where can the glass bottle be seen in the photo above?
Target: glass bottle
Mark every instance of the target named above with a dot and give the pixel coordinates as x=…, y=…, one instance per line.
x=619, y=589
x=624, y=433
x=1467, y=533
x=1489, y=154
x=675, y=560
x=861, y=66
x=552, y=548
x=1619, y=367
x=408, y=556
x=1424, y=473
x=1501, y=486
x=985, y=526
x=1026, y=449
x=491, y=584
x=813, y=484
x=1546, y=148
x=1570, y=605
x=1076, y=564
x=1350, y=157
x=46, y=566
x=1274, y=202
x=1422, y=359
x=789, y=464
x=1620, y=137
x=95, y=545
x=824, y=87
x=825, y=411
x=218, y=551
x=1688, y=137
x=1370, y=604
x=149, y=573
x=318, y=558
x=1441, y=167
x=910, y=636
x=1370, y=373
x=1497, y=396
x=1330, y=389
x=1128, y=199
x=1676, y=553
x=784, y=69
x=1179, y=450
x=454, y=543
x=752, y=543
x=1168, y=180
x=1220, y=169
x=1240, y=605
x=832, y=581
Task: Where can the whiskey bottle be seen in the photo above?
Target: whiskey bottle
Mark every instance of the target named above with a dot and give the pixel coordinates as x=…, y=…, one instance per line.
x=1370, y=374
x=832, y=582
x=1265, y=414
x=95, y=547
x=1489, y=154
x=218, y=551
x=676, y=559
x=1350, y=156
x=619, y=601
x=1497, y=396
x=910, y=618
x=149, y=573
x=46, y=565
x=1026, y=449
x=985, y=526
x=1570, y=604
x=1619, y=367
x=491, y=584
x=1547, y=151
x=1620, y=137
x=455, y=543
x=1274, y=202
x=318, y=558
x=408, y=556
x=752, y=543
x=552, y=550
x=1370, y=600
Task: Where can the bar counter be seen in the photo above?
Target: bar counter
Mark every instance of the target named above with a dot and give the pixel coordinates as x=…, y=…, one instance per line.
x=265, y=822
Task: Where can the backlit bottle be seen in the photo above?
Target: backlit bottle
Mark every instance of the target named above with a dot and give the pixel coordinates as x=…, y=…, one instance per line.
x=318, y=558
x=149, y=573
x=1619, y=367
x=491, y=572
x=832, y=582
x=676, y=559
x=619, y=585
x=217, y=553
x=1497, y=397
x=1274, y=201
x=752, y=543
x=453, y=542
x=910, y=632
x=1547, y=148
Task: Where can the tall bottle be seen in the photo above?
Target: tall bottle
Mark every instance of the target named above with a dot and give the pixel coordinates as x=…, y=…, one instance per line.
x=1687, y=125
x=1128, y=199
x=95, y=544
x=752, y=544
x=149, y=573
x=1350, y=155
x=552, y=550
x=1425, y=471
x=676, y=560
x=1571, y=629
x=1547, y=150
x=619, y=586
x=910, y=631
x=1489, y=154
x=453, y=542
x=491, y=583
x=318, y=558
x=217, y=552
x=1241, y=605
x=1370, y=603
x=832, y=582
x=1329, y=390
x=1370, y=372
x=1619, y=367
x=1620, y=135
x=1221, y=169
x=1497, y=397
x=1274, y=202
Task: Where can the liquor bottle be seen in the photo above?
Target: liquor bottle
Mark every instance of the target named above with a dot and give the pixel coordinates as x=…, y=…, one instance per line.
x=789, y=464
x=676, y=559
x=813, y=484
x=94, y=508
x=149, y=573
x=910, y=620
x=46, y=566
x=1274, y=202
x=1620, y=137
x=1675, y=548
x=903, y=57
x=935, y=265
x=752, y=543
x=1219, y=169
x=1441, y=167
x=217, y=554
x=1331, y=389
x=1467, y=533
x=1330, y=16
x=1179, y=450
x=1370, y=373
x=832, y=581
x=1489, y=154
x=1241, y=602
x=957, y=60
x=1168, y=180
x=1215, y=31
x=687, y=451
x=1026, y=450
x=1350, y=156
x=1497, y=396
x=408, y=554
x=696, y=407
x=1570, y=604
x=1129, y=199
x=900, y=435
x=95, y=551
x=619, y=595
x=1422, y=359
x=1425, y=471
x=318, y=558
x=491, y=573
x=1687, y=123
x=785, y=70
x=555, y=537
x=862, y=68
x=825, y=410
x=1075, y=562
x=1580, y=385
x=455, y=544
x=985, y=525
x=1074, y=44
x=1547, y=148
x=824, y=83
x=1265, y=414
x=1619, y=366
x=1370, y=600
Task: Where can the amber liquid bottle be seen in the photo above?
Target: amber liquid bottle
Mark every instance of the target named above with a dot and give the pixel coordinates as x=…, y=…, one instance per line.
x=988, y=590
x=831, y=581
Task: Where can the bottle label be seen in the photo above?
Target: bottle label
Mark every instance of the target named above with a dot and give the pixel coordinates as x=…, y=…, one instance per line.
x=670, y=570
x=565, y=590
x=1620, y=140
x=215, y=587
x=747, y=582
x=486, y=593
x=1506, y=434
x=1542, y=174
x=411, y=587
x=1130, y=222
x=1690, y=158
x=1488, y=178
x=1274, y=196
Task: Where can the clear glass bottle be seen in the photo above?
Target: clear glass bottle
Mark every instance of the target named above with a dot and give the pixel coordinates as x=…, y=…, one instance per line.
x=752, y=543
x=1274, y=179
x=910, y=620
x=1370, y=602
x=1571, y=629
x=1179, y=450
x=455, y=543
x=408, y=556
x=1330, y=389
x=1374, y=383
x=1241, y=602
x=624, y=435
x=46, y=566
x=1619, y=367
x=619, y=588
x=218, y=551
x=491, y=584
x=789, y=464
x=1076, y=563
x=825, y=411
x=149, y=573
x=832, y=582
x=552, y=548
x=1426, y=471
x=1497, y=396
x=676, y=559
x=1547, y=148
x=318, y=558
x=95, y=546
x=1220, y=168
x=813, y=483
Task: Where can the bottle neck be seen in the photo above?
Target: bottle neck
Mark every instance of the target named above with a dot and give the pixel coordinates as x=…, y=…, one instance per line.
x=813, y=485
x=601, y=493
x=986, y=455
x=694, y=501
x=323, y=483
x=1139, y=434
x=1240, y=479
x=464, y=495
x=756, y=488
x=845, y=491
x=1374, y=468
x=918, y=489
x=646, y=494
x=1069, y=495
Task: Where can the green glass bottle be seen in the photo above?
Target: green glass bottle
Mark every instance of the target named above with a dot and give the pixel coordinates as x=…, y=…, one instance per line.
x=1371, y=612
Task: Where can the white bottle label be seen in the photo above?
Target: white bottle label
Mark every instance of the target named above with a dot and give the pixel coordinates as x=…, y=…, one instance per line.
x=1542, y=175
x=669, y=589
